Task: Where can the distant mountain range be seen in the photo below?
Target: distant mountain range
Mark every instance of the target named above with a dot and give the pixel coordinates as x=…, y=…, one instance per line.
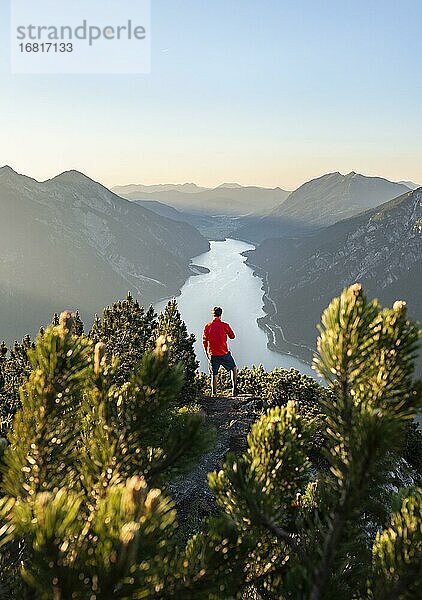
x=165, y=210
x=410, y=184
x=381, y=248
x=255, y=213
x=321, y=202
x=228, y=199
x=231, y=186
x=139, y=189
x=69, y=242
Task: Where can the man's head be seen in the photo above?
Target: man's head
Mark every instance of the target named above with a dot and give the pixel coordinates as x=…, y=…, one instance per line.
x=217, y=311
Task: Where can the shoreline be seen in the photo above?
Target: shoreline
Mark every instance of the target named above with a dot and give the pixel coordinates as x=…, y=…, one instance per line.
x=276, y=338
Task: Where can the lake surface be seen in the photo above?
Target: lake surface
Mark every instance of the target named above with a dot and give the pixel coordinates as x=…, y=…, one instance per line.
x=231, y=285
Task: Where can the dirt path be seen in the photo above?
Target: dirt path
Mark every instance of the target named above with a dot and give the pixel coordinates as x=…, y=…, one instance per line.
x=232, y=419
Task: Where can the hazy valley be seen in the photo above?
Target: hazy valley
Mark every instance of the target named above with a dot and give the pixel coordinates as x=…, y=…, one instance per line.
x=330, y=232
x=217, y=212
x=92, y=245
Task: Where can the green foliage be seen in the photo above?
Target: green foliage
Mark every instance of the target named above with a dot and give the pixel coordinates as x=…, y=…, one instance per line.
x=253, y=381
x=286, y=386
x=277, y=388
x=11, y=583
x=14, y=370
x=127, y=332
x=84, y=454
x=397, y=553
x=140, y=423
x=412, y=451
x=93, y=439
x=202, y=383
x=78, y=326
x=182, y=349
x=247, y=489
x=210, y=569
x=309, y=533
x=42, y=441
x=119, y=547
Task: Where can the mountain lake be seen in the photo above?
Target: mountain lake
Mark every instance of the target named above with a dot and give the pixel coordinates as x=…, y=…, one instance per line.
x=232, y=285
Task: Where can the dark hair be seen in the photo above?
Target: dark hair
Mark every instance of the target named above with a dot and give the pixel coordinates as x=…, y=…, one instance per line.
x=217, y=311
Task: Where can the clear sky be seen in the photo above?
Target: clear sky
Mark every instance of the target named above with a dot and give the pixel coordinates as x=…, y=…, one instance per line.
x=265, y=92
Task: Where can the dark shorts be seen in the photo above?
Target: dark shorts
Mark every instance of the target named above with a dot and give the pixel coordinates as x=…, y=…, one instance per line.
x=226, y=361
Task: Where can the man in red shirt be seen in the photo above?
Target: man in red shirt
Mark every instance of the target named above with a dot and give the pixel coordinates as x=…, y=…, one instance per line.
x=214, y=339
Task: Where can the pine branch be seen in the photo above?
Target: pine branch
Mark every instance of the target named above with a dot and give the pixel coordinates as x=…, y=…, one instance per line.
x=169, y=461
x=282, y=534
x=336, y=529
x=323, y=571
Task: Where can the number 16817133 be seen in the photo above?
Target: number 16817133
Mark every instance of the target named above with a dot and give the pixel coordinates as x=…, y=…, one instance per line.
x=45, y=47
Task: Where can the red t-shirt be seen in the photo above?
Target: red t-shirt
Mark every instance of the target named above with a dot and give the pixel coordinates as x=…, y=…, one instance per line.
x=215, y=335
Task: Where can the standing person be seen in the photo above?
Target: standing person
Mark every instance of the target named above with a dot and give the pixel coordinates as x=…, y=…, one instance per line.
x=214, y=339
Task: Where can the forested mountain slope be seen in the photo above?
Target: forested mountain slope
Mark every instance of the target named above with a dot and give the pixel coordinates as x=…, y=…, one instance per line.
x=381, y=248
x=70, y=242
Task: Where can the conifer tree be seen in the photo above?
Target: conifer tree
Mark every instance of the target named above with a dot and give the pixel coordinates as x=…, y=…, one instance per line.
x=14, y=370
x=43, y=451
x=397, y=553
x=78, y=326
x=170, y=323
x=85, y=454
x=306, y=535
x=3, y=354
x=83, y=457
x=127, y=331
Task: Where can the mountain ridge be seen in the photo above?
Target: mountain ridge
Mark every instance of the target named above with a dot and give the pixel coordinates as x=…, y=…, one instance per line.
x=381, y=248
x=221, y=200
x=410, y=184
x=323, y=201
x=69, y=241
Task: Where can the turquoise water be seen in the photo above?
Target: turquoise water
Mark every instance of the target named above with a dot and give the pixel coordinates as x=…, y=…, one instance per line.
x=231, y=285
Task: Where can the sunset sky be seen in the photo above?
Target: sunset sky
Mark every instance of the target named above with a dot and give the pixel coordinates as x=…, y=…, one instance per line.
x=269, y=93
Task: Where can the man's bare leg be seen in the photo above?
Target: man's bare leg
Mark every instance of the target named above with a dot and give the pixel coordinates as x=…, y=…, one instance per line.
x=214, y=379
x=234, y=381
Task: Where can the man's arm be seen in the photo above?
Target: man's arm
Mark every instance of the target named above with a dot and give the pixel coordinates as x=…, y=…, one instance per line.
x=230, y=332
x=205, y=339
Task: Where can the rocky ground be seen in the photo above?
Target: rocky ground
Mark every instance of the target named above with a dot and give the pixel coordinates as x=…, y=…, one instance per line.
x=232, y=419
